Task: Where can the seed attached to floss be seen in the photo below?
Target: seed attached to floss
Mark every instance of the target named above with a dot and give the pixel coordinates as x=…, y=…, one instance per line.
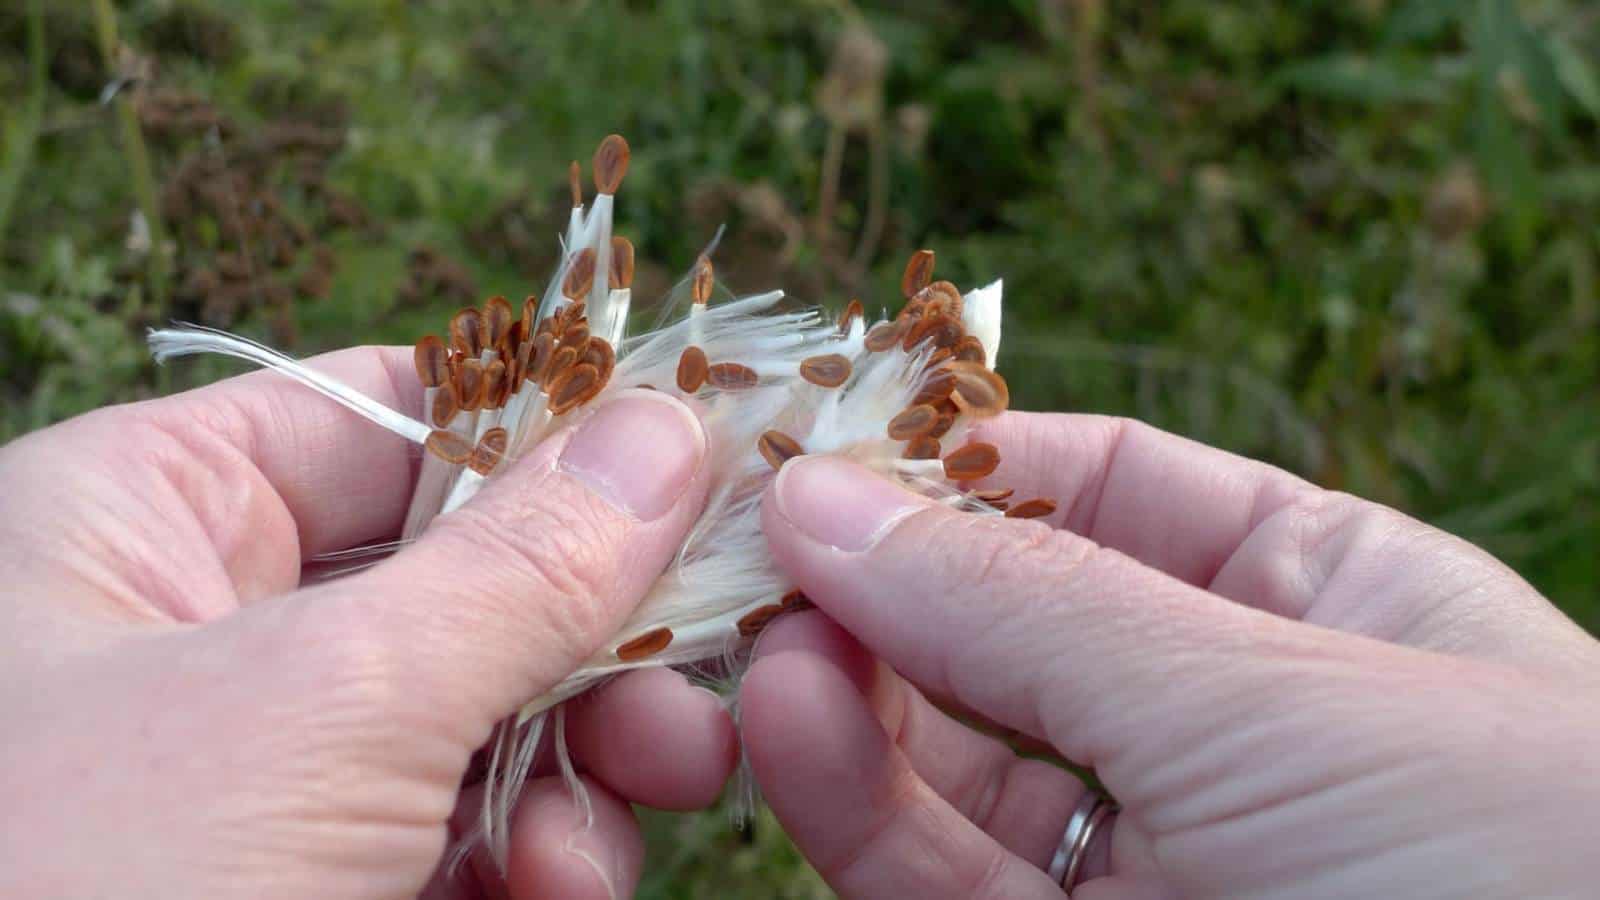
x=923, y=447
x=599, y=353
x=575, y=182
x=978, y=390
x=610, y=164
x=970, y=349
x=1031, y=509
x=645, y=645
x=919, y=271
x=885, y=335
x=445, y=406
x=704, y=279
x=829, y=371
x=563, y=359
x=913, y=422
x=693, y=368
x=994, y=495
x=490, y=450
x=573, y=388
x=972, y=462
x=469, y=385
x=730, y=376
x=496, y=322
x=432, y=361
x=621, y=275
x=852, y=311
x=795, y=599
x=466, y=332
x=448, y=446
x=751, y=623
x=580, y=275
x=936, y=386
x=778, y=448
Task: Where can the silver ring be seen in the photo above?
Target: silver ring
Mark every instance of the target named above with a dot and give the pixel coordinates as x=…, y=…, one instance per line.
x=1091, y=812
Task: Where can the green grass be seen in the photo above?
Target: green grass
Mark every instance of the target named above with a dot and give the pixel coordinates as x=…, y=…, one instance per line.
x=1360, y=239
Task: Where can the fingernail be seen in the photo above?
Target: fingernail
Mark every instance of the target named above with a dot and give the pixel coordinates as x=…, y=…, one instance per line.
x=639, y=452
x=839, y=503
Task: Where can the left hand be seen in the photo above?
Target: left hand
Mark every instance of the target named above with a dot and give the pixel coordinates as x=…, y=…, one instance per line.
x=180, y=718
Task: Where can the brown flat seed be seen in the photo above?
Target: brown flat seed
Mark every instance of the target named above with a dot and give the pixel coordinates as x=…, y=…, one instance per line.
x=919, y=271
x=941, y=330
x=496, y=322
x=704, y=279
x=544, y=351
x=1031, y=509
x=970, y=349
x=795, y=598
x=778, y=448
x=852, y=311
x=994, y=495
x=445, y=406
x=751, y=623
x=923, y=447
x=621, y=275
x=610, y=164
x=645, y=645
x=580, y=275
x=884, y=335
x=913, y=422
x=466, y=332
x=829, y=371
x=692, y=369
x=947, y=420
x=576, y=336
x=937, y=384
x=575, y=182
x=560, y=361
x=448, y=446
x=432, y=361
x=490, y=450
x=972, y=462
x=947, y=296
x=573, y=388
x=598, y=353
x=978, y=390
x=730, y=376
x=494, y=376
x=469, y=384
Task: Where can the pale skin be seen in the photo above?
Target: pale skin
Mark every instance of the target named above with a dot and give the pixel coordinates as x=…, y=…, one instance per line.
x=1292, y=693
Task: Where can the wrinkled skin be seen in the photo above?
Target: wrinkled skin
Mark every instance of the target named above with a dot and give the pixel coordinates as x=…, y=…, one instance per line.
x=183, y=719
x=1293, y=693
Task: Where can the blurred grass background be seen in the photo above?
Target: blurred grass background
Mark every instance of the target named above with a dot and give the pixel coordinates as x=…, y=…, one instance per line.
x=1358, y=239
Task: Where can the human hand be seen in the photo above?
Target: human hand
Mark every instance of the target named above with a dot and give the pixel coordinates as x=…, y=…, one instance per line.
x=1291, y=692
x=181, y=720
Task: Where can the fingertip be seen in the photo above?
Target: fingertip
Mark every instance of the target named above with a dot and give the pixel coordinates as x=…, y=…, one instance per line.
x=656, y=739
x=556, y=853
x=813, y=632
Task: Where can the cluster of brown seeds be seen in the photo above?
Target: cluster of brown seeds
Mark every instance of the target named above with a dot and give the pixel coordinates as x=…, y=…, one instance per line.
x=490, y=354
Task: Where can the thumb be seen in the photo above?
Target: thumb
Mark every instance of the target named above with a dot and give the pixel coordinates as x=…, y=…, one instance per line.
x=1038, y=630
x=502, y=598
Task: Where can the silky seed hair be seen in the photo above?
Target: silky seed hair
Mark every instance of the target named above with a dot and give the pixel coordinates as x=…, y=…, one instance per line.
x=898, y=396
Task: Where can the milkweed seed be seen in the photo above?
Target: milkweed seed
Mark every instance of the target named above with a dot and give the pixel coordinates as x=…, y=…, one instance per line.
x=978, y=390
x=913, y=421
x=730, y=376
x=919, y=271
x=466, y=332
x=751, y=623
x=924, y=447
x=692, y=369
x=448, y=446
x=580, y=275
x=702, y=283
x=829, y=371
x=645, y=645
x=610, y=164
x=573, y=388
x=852, y=311
x=496, y=322
x=432, y=361
x=621, y=276
x=490, y=450
x=1031, y=509
x=778, y=448
x=884, y=335
x=972, y=462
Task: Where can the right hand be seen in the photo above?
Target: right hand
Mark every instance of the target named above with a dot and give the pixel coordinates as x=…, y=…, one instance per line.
x=1291, y=692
